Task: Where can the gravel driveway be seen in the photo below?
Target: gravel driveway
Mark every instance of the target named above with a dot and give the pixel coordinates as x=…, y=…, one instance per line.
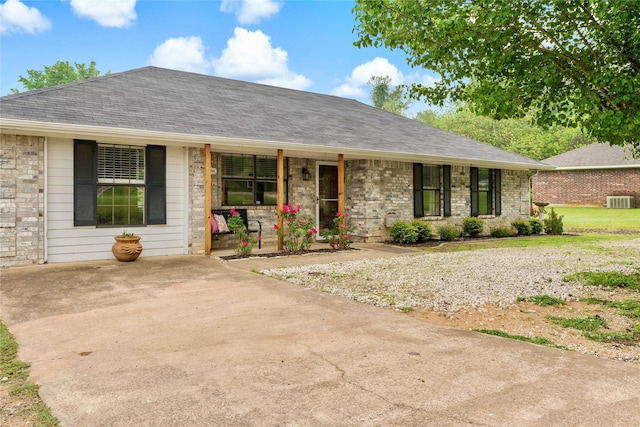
x=451, y=281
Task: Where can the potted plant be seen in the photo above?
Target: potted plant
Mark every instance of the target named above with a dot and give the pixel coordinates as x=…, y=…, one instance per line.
x=127, y=246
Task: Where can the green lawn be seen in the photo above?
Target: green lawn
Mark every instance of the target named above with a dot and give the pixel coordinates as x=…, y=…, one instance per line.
x=583, y=218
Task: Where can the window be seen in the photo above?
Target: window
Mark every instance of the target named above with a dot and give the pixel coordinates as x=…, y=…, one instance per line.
x=486, y=191
x=250, y=180
x=119, y=184
x=432, y=190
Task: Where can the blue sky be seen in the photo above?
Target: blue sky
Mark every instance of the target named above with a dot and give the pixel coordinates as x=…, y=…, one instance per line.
x=306, y=45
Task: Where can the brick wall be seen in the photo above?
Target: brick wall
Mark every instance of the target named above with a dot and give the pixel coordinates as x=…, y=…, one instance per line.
x=586, y=187
x=374, y=190
x=21, y=200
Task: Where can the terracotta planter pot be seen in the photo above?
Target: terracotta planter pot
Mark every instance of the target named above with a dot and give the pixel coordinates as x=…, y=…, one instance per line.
x=126, y=249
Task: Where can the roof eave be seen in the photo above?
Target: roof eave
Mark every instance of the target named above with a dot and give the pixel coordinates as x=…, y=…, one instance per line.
x=237, y=145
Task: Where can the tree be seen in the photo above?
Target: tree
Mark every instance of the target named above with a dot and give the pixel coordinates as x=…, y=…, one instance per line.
x=56, y=74
x=566, y=62
x=386, y=98
x=515, y=135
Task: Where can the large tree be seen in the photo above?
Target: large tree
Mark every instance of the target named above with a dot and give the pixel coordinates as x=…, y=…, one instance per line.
x=572, y=63
x=385, y=96
x=56, y=74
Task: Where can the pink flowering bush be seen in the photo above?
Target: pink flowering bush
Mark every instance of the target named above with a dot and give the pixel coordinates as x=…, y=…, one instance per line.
x=299, y=232
x=338, y=234
x=245, y=242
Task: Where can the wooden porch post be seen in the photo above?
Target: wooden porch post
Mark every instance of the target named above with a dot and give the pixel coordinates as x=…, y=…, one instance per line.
x=207, y=199
x=341, y=184
x=280, y=197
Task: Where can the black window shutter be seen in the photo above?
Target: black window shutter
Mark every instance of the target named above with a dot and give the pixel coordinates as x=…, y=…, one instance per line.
x=497, y=185
x=475, y=208
x=85, y=179
x=156, y=206
x=418, y=200
x=446, y=189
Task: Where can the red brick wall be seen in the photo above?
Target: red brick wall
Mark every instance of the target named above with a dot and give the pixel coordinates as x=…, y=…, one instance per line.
x=586, y=187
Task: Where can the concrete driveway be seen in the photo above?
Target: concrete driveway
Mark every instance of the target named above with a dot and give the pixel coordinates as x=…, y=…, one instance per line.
x=176, y=341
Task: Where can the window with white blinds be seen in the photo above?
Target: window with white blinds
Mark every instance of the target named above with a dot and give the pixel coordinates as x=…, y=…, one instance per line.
x=120, y=164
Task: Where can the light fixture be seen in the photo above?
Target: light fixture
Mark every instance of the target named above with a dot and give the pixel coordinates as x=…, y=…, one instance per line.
x=306, y=175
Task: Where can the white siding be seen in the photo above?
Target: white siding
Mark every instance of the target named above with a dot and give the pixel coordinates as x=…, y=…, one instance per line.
x=68, y=243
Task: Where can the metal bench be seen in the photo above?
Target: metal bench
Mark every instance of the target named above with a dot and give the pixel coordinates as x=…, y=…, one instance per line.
x=226, y=213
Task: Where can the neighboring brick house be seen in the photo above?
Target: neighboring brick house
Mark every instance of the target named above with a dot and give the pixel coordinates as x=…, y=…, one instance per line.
x=84, y=160
x=587, y=175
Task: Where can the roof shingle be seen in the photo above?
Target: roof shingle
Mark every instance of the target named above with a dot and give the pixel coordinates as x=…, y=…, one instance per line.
x=162, y=100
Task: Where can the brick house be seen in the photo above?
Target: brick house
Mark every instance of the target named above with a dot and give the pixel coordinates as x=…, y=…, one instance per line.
x=153, y=150
x=587, y=176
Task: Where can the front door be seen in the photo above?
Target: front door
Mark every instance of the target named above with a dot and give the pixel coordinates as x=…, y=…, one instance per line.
x=327, y=194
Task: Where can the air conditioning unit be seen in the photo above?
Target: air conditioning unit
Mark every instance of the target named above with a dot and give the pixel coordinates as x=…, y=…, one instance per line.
x=621, y=202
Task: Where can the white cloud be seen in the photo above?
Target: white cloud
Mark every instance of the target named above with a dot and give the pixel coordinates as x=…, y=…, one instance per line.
x=249, y=55
x=181, y=53
x=16, y=17
x=356, y=84
x=112, y=13
x=251, y=11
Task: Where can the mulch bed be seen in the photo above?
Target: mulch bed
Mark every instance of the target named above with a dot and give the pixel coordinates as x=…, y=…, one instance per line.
x=280, y=254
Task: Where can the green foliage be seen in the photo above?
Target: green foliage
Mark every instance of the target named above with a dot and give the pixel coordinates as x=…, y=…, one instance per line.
x=423, y=228
x=589, y=323
x=386, y=98
x=338, y=235
x=472, y=226
x=553, y=223
x=57, y=74
x=607, y=279
x=298, y=233
x=404, y=232
x=448, y=233
x=504, y=230
x=536, y=340
x=565, y=63
x=523, y=227
x=536, y=225
x=609, y=336
x=127, y=234
x=545, y=300
x=245, y=241
x=515, y=135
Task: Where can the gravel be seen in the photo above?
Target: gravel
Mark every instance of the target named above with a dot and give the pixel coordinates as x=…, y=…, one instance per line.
x=452, y=281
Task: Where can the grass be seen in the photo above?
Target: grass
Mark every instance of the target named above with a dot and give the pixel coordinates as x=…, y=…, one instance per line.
x=587, y=218
x=585, y=324
x=582, y=241
x=629, y=308
x=543, y=300
x=607, y=279
x=537, y=340
x=17, y=373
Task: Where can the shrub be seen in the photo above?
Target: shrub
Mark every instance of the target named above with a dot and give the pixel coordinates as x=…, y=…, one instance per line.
x=338, y=234
x=404, y=232
x=553, y=224
x=448, y=233
x=472, y=226
x=523, y=227
x=536, y=226
x=503, y=231
x=423, y=228
x=299, y=233
x=245, y=242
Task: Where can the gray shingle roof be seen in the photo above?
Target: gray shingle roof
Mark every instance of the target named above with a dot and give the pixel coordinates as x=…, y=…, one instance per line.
x=161, y=100
x=595, y=155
